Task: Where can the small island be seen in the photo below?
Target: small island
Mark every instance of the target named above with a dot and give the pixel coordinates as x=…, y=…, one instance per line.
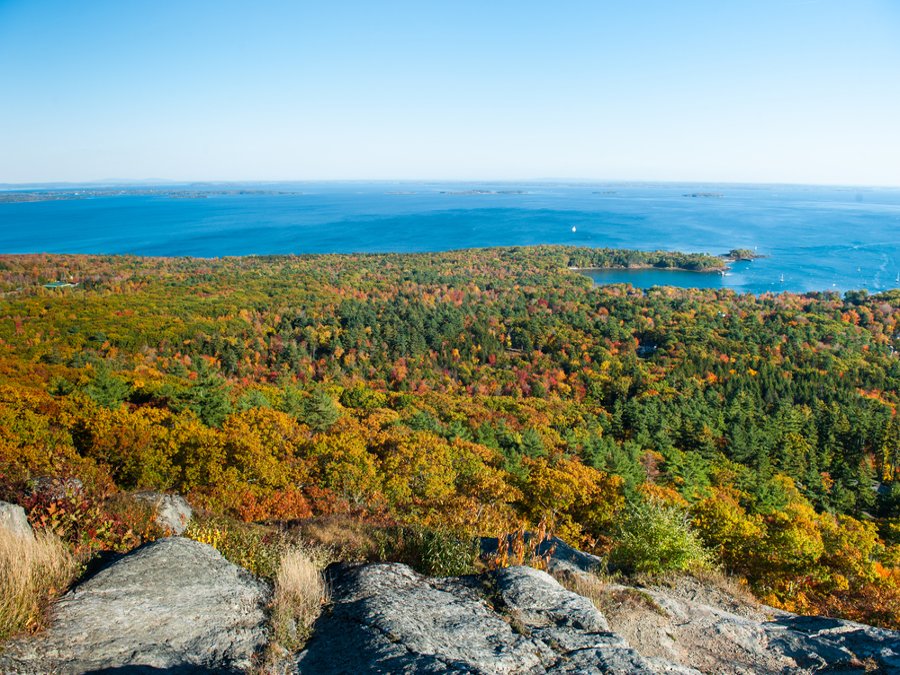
x=742, y=254
x=482, y=192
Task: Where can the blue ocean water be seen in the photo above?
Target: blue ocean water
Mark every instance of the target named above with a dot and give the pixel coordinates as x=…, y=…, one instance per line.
x=815, y=238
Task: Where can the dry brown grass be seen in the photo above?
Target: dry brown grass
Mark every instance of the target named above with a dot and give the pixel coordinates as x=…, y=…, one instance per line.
x=591, y=586
x=33, y=572
x=615, y=594
x=732, y=586
x=300, y=593
x=607, y=596
x=349, y=538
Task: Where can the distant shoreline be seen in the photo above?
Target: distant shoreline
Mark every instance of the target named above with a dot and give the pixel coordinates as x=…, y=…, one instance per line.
x=623, y=234
x=637, y=268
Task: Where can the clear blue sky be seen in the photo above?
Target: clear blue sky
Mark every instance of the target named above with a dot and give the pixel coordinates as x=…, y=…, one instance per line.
x=717, y=90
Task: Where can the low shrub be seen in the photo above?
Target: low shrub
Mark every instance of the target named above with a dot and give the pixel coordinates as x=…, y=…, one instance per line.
x=88, y=524
x=428, y=550
x=436, y=552
x=654, y=538
x=255, y=548
x=34, y=571
x=134, y=519
x=522, y=547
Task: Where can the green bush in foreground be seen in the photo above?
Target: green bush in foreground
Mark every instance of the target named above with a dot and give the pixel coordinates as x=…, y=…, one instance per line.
x=654, y=538
x=435, y=552
x=248, y=546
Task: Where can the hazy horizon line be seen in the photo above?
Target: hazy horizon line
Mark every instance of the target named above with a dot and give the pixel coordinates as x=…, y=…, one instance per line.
x=165, y=182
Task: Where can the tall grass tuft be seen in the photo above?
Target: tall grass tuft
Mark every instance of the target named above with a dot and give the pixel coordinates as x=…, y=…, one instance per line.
x=33, y=572
x=300, y=593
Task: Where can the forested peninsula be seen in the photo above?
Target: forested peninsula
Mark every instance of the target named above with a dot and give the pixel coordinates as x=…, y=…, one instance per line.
x=442, y=396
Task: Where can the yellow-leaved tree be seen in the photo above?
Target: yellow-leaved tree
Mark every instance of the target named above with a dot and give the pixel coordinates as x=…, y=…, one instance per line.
x=576, y=501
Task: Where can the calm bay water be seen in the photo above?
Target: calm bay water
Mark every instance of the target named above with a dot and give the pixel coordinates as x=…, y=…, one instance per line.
x=815, y=238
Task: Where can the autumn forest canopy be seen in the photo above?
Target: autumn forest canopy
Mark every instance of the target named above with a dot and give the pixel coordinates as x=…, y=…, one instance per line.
x=472, y=391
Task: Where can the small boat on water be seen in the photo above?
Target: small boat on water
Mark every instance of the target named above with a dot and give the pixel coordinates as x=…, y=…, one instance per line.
x=573, y=228
x=782, y=278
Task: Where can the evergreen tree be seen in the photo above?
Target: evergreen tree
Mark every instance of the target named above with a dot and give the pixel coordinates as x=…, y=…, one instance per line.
x=319, y=411
x=107, y=389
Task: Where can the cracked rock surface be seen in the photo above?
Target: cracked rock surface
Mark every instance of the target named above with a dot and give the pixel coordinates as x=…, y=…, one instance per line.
x=174, y=605
x=385, y=618
x=690, y=622
x=388, y=619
